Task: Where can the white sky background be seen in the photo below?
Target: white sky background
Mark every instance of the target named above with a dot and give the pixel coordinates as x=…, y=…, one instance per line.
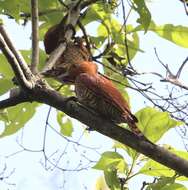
x=29, y=173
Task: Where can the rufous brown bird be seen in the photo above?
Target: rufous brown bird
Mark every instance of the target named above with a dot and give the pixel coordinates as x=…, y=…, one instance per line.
x=73, y=54
x=92, y=89
x=100, y=94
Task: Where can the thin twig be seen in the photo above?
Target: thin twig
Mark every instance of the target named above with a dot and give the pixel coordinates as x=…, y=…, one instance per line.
x=181, y=68
x=125, y=39
x=85, y=36
x=35, y=36
x=169, y=73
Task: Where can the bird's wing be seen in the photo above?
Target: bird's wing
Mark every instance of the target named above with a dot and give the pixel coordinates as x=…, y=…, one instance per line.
x=103, y=87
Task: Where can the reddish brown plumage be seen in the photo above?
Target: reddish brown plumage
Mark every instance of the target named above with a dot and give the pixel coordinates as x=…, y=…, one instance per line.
x=74, y=53
x=100, y=94
x=51, y=39
x=92, y=90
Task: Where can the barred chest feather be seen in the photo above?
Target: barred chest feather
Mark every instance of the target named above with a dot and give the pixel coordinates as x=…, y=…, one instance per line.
x=90, y=98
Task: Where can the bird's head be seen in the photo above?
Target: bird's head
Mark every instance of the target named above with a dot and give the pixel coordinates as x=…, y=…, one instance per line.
x=74, y=70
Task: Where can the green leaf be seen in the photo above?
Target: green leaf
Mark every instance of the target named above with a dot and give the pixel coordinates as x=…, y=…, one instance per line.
x=65, y=124
x=5, y=85
x=175, y=34
x=112, y=164
x=175, y=186
x=154, y=123
x=131, y=152
x=6, y=76
x=166, y=183
x=16, y=117
x=97, y=12
x=161, y=182
x=145, y=16
x=5, y=69
x=153, y=168
x=111, y=160
x=13, y=8
x=111, y=179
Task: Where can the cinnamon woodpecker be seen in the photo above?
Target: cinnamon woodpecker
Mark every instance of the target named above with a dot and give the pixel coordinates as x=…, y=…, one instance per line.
x=75, y=52
x=100, y=94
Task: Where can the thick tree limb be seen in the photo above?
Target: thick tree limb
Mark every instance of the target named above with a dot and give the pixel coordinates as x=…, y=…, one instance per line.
x=107, y=128
x=48, y=96
x=13, y=101
x=35, y=36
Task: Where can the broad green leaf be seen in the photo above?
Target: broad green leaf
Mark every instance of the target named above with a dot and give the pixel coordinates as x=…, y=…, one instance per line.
x=17, y=117
x=6, y=75
x=156, y=169
x=18, y=8
x=131, y=152
x=5, y=68
x=5, y=85
x=93, y=14
x=111, y=160
x=111, y=179
x=145, y=17
x=166, y=184
x=13, y=8
x=97, y=12
x=160, y=183
x=65, y=124
x=175, y=34
x=175, y=186
x=154, y=123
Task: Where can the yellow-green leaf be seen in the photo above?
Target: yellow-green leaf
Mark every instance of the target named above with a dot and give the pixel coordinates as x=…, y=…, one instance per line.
x=154, y=123
x=65, y=124
x=111, y=160
x=111, y=179
x=144, y=15
x=153, y=168
x=175, y=34
x=17, y=117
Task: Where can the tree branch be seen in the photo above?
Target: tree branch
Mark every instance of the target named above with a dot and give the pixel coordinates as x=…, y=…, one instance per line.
x=75, y=110
x=14, y=64
x=35, y=36
x=72, y=18
x=13, y=101
x=19, y=58
x=107, y=128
